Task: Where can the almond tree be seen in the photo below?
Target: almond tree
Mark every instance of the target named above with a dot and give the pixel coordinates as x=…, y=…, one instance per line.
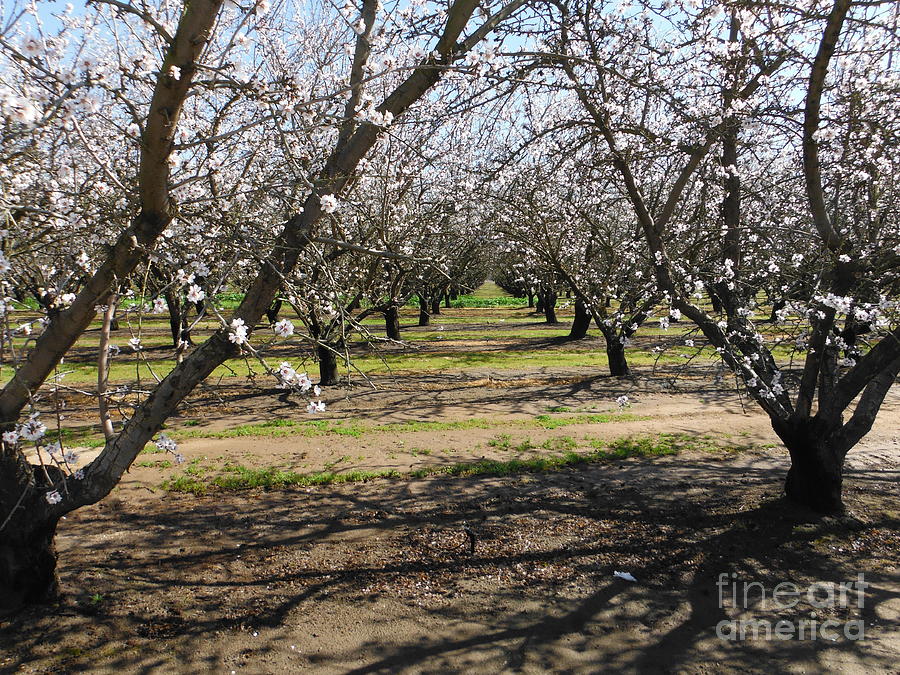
x=195, y=44
x=706, y=87
x=579, y=233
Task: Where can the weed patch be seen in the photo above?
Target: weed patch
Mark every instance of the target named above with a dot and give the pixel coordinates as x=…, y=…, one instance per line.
x=237, y=477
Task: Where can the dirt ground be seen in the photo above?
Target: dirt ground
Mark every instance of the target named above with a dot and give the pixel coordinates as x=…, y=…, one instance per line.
x=479, y=574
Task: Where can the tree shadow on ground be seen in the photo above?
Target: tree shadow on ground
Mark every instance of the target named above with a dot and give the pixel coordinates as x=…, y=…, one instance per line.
x=203, y=582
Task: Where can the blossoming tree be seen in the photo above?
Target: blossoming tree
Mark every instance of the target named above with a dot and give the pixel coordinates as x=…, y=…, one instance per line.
x=731, y=127
x=180, y=113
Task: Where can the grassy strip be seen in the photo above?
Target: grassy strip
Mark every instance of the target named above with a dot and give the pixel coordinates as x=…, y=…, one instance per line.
x=243, y=478
x=467, y=301
x=281, y=428
x=127, y=368
x=237, y=477
x=548, y=422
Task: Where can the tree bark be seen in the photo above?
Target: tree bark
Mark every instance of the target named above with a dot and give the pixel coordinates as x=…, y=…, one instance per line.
x=392, y=322
x=549, y=301
x=27, y=554
x=581, y=322
x=424, y=316
x=615, y=353
x=272, y=312
x=328, y=366
x=28, y=567
x=436, y=305
x=175, y=316
x=716, y=301
x=815, y=479
x=777, y=306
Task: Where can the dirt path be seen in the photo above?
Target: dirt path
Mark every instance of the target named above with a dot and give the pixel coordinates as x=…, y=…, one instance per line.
x=492, y=408
x=481, y=574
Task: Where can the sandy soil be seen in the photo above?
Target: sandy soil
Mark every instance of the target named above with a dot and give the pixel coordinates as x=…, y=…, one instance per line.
x=484, y=574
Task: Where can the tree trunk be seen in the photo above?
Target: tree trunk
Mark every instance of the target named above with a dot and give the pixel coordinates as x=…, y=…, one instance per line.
x=424, y=316
x=615, y=354
x=174, y=304
x=27, y=567
x=27, y=554
x=392, y=322
x=272, y=312
x=815, y=478
x=328, y=366
x=777, y=306
x=715, y=300
x=447, y=300
x=550, y=306
x=436, y=305
x=581, y=322
x=530, y=299
x=185, y=326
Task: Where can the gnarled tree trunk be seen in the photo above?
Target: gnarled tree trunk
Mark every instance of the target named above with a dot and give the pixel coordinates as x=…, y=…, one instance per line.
x=27, y=554
x=272, y=311
x=615, y=353
x=424, y=316
x=28, y=566
x=815, y=478
x=173, y=302
x=328, y=366
x=581, y=322
x=548, y=298
x=392, y=322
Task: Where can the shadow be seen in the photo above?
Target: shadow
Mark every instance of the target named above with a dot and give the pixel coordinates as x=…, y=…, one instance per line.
x=378, y=577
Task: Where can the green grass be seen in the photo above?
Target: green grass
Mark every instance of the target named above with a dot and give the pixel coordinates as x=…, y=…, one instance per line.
x=283, y=428
x=548, y=422
x=277, y=428
x=495, y=360
x=498, y=307
x=560, y=444
x=280, y=428
x=623, y=448
x=236, y=477
x=156, y=464
x=82, y=437
x=127, y=368
x=650, y=446
x=489, y=289
x=187, y=484
x=407, y=427
x=501, y=442
x=467, y=301
x=537, y=333
x=85, y=437
x=241, y=478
